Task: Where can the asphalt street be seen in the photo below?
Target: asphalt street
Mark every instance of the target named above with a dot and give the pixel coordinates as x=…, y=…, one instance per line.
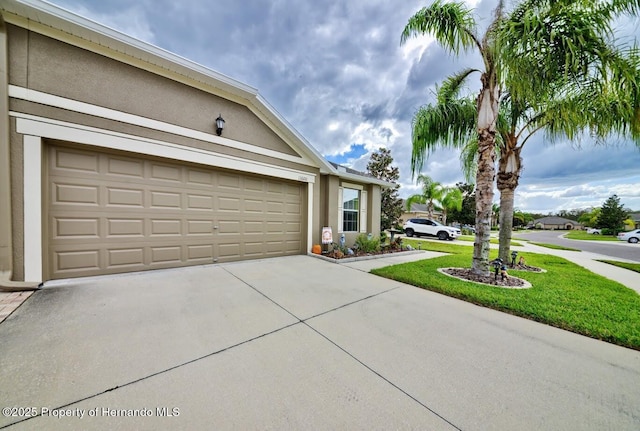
x=618, y=249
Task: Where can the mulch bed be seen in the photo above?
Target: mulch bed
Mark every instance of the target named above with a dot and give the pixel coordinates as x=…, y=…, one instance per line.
x=339, y=255
x=509, y=281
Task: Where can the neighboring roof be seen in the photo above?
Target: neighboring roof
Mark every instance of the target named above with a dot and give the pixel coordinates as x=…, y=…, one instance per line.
x=61, y=24
x=634, y=216
x=555, y=220
x=352, y=174
x=419, y=208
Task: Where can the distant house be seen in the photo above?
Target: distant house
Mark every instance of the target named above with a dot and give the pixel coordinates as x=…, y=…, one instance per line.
x=636, y=219
x=420, y=211
x=553, y=222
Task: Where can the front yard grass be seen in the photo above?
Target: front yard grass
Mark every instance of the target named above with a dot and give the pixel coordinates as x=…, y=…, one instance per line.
x=626, y=265
x=471, y=238
x=567, y=296
x=582, y=235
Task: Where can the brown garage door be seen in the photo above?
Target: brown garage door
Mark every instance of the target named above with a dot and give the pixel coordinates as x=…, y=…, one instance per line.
x=115, y=212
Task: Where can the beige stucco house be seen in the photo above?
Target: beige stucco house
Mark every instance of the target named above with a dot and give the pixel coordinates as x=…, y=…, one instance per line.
x=111, y=161
x=553, y=222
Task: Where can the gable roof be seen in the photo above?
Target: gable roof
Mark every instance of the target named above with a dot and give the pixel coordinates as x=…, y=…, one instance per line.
x=58, y=23
x=555, y=220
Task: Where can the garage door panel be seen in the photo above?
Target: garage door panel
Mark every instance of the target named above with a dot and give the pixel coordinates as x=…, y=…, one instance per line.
x=125, y=197
x=76, y=194
x=75, y=227
x=166, y=172
x=75, y=160
x=165, y=227
x=293, y=208
x=164, y=254
x=119, y=228
x=229, y=251
x=228, y=181
x=199, y=178
x=293, y=246
x=77, y=260
x=116, y=212
x=199, y=202
x=163, y=199
x=125, y=167
x=199, y=227
x=126, y=257
x=199, y=252
x=228, y=204
x=293, y=227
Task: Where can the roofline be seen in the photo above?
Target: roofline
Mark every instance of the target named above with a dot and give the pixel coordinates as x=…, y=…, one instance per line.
x=54, y=21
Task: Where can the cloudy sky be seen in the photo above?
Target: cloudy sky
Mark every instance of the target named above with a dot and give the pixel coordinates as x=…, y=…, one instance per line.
x=336, y=71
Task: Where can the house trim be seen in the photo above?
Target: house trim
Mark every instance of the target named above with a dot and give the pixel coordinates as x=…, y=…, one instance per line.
x=110, y=114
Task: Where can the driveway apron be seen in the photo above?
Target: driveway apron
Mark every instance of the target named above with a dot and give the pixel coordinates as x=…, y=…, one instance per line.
x=298, y=343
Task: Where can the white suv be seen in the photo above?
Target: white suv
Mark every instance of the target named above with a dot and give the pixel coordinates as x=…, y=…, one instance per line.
x=423, y=226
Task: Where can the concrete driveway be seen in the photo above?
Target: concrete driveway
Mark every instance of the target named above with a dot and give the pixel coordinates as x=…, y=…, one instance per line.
x=298, y=343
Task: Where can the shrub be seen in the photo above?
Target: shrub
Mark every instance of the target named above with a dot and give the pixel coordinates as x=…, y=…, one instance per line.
x=366, y=244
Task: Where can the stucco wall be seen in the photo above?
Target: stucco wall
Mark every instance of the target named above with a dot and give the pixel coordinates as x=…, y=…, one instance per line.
x=40, y=63
x=329, y=211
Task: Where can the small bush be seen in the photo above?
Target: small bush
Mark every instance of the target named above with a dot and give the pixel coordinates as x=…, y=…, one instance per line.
x=366, y=245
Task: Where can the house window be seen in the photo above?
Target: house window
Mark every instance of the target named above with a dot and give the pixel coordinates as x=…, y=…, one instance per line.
x=350, y=209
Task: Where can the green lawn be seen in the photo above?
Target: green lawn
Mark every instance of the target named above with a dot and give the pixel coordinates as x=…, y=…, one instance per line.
x=566, y=296
x=631, y=266
x=580, y=234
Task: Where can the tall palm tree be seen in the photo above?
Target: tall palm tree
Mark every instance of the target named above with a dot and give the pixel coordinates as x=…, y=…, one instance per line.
x=454, y=27
x=432, y=191
x=451, y=200
x=582, y=82
x=587, y=83
x=495, y=214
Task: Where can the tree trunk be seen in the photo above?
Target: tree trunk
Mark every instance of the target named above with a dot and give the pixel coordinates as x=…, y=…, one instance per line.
x=508, y=177
x=485, y=176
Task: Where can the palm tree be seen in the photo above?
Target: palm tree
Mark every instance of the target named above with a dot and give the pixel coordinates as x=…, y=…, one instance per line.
x=451, y=121
x=581, y=83
x=451, y=200
x=431, y=192
x=587, y=84
x=495, y=214
x=454, y=27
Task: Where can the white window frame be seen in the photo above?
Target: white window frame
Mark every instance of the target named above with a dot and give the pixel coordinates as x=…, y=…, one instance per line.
x=362, y=207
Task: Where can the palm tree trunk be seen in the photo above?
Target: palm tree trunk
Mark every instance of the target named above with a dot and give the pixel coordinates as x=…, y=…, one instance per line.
x=485, y=176
x=506, y=223
x=507, y=182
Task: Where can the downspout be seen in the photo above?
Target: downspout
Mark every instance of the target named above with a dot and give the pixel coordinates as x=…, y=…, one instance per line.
x=6, y=233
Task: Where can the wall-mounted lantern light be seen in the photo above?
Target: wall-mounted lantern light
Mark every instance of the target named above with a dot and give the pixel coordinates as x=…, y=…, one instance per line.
x=219, y=125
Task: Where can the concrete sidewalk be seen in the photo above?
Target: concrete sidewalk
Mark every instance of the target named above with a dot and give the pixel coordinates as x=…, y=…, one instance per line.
x=298, y=343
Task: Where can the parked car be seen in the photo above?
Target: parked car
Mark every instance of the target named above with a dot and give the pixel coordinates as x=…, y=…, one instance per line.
x=594, y=231
x=631, y=236
x=423, y=226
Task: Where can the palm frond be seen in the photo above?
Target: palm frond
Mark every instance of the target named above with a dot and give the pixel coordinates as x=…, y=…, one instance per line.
x=447, y=125
x=452, y=24
x=453, y=85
